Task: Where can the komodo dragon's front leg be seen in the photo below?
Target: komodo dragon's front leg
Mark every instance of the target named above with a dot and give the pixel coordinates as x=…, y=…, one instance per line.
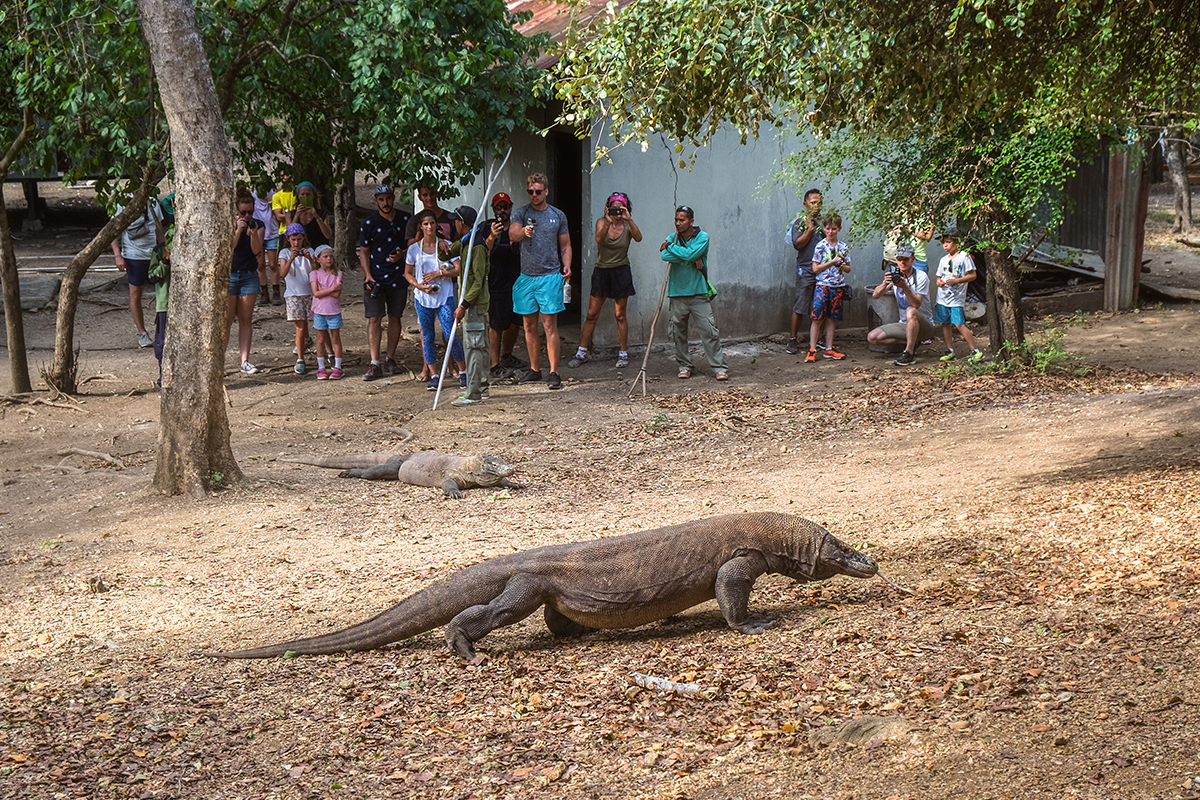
x=522, y=596
x=735, y=579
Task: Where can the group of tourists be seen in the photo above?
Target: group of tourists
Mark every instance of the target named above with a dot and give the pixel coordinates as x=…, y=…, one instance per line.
x=821, y=290
x=518, y=278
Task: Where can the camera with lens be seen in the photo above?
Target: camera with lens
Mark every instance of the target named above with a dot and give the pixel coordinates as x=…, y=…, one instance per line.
x=897, y=277
x=374, y=290
x=613, y=212
x=435, y=288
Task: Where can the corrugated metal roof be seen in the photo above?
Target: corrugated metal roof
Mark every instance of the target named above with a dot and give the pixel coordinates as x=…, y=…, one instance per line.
x=554, y=18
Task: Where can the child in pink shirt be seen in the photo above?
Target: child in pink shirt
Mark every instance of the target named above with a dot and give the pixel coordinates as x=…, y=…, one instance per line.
x=326, y=285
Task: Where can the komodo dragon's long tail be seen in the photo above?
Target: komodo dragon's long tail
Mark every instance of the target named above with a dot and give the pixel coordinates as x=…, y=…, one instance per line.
x=433, y=606
x=350, y=461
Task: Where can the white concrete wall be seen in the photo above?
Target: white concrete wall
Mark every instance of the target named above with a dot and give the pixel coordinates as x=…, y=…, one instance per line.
x=751, y=265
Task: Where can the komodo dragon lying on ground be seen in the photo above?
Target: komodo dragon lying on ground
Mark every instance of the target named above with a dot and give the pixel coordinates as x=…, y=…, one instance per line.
x=617, y=582
x=452, y=474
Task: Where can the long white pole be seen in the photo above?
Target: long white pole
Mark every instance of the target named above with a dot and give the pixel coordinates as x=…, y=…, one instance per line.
x=493, y=173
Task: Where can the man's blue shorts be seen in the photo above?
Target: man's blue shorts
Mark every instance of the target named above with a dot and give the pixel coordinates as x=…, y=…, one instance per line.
x=327, y=322
x=542, y=294
x=137, y=271
x=952, y=314
x=243, y=283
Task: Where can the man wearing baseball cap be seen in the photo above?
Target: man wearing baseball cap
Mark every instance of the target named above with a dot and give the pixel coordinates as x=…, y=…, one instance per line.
x=504, y=324
x=381, y=248
x=912, y=298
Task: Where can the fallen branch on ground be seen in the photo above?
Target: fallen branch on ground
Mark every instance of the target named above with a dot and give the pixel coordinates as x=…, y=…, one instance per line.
x=116, y=462
x=38, y=401
x=895, y=586
x=664, y=685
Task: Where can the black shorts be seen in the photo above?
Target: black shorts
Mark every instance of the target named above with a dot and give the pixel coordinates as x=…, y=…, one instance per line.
x=391, y=302
x=614, y=282
x=501, y=316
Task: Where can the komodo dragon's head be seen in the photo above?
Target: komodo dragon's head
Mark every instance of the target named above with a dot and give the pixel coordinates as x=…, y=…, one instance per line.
x=838, y=558
x=492, y=467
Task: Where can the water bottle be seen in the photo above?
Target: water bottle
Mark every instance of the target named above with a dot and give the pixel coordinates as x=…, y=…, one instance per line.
x=566, y=293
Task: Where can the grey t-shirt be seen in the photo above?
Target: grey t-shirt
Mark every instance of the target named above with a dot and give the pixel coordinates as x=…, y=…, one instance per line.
x=539, y=255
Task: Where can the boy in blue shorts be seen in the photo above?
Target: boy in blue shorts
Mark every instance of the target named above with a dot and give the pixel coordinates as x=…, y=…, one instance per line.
x=831, y=260
x=954, y=272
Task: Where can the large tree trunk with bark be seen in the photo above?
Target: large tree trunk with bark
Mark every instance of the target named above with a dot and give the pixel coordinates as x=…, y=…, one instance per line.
x=1006, y=323
x=1177, y=148
x=62, y=375
x=345, y=225
x=14, y=319
x=193, y=441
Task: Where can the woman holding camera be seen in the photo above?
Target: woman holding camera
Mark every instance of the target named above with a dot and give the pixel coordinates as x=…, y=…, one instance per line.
x=433, y=291
x=611, y=276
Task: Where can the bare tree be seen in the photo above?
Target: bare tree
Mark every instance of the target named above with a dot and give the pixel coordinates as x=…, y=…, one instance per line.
x=194, y=454
x=14, y=322
x=1177, y=148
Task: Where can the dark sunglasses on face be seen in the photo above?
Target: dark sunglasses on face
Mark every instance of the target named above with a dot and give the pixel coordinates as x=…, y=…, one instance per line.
x=535, y=191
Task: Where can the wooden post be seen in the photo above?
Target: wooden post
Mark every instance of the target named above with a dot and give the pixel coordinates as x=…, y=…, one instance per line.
x=1122, y=261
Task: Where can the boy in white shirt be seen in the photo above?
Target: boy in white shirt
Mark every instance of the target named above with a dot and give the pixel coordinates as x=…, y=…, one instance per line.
x=954, y=272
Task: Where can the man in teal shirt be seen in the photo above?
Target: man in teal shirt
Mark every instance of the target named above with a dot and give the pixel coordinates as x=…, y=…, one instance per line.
x=688, y=287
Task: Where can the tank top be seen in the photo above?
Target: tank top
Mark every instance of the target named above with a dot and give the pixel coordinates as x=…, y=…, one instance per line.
x=614, y=252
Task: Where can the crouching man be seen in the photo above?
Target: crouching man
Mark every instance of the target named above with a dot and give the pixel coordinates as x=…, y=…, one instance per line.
x=912, y=298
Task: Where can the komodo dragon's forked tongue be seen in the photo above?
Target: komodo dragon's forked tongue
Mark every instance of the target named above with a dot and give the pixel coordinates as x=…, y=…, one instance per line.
x=616, y=582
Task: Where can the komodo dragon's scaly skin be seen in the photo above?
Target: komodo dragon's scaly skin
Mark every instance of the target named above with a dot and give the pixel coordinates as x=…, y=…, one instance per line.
x=618, y=582
x=452, y=474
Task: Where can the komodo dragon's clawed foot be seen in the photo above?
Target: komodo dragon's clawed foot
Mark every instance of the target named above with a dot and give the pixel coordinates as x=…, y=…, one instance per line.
x=756, y=624
x=507, y=484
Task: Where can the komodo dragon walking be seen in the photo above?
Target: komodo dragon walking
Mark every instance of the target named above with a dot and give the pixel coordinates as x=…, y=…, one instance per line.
x=452, y=474
x=617, y=582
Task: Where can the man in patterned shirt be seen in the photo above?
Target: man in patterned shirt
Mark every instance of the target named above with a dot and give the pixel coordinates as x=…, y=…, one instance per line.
x=381, y=248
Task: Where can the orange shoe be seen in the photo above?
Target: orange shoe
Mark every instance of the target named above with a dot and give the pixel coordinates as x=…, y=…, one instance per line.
x=811, y=357
x=834, y=354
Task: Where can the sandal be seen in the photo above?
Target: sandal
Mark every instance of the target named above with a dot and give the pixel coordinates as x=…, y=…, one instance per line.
x=684, y=374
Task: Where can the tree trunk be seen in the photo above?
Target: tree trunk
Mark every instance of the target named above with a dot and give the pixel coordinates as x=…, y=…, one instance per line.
x=1177, y=148
x=1006, y=323
x=62, y=374
x=14, y=317
x=193, y=440
x=345, y=225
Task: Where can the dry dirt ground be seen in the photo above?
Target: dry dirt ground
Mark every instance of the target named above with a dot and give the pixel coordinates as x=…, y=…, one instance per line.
x=1045, y=527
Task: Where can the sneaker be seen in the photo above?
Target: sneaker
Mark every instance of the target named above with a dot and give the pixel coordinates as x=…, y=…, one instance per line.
x=811, y=357
x=322, y=375
x=374, y=372
x=433, y=383
x=976, y=356
x=821, y=343
x=905, y=359
x=531, y=376
x=465, y=401
x=578, y=361
x=390, y=366
x=299, y=367
x=462, y=379
x=512, y=362
x=264, y=298
x=144, y=340
x=485, y=392
x=249, y=368
x=622, y=360
x=554, y=382
x=793, y=347
x=336, y=374
x=947, y=356
x=834, y=354
x=276, y=297
x=307, y=346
